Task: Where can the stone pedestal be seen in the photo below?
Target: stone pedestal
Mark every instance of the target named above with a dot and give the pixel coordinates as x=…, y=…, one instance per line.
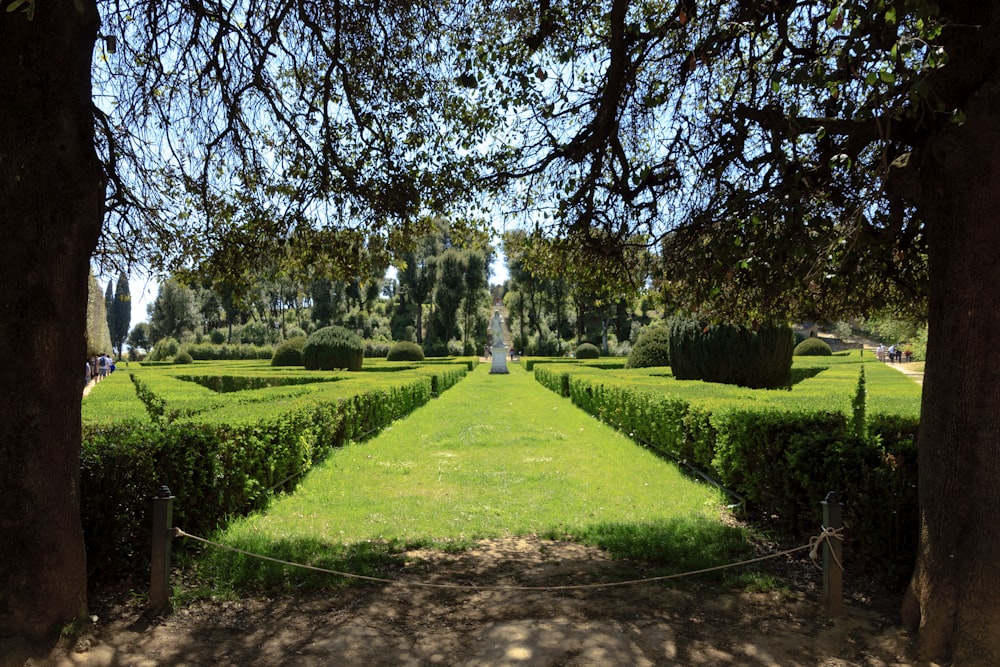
x=499, y=353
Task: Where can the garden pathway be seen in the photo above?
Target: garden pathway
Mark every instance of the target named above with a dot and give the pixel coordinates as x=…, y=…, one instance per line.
x=913, y=370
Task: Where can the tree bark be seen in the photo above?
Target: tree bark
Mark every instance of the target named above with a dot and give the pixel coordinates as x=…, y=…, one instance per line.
x=51, y=206
x=953, y=596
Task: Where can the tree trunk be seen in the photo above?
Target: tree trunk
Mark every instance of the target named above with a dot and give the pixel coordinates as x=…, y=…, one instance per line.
x=420, y=324
x=52, y=192
x=953, y=596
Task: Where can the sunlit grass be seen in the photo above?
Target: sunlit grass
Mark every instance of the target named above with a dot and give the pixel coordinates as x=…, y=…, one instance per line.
x=496, y=455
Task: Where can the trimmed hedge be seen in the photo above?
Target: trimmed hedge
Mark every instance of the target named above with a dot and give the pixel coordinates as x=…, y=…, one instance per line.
x=604, y=362
x=781, y=451
x=813, y=347
x=552, y=377
x=227, y=352
x=729, y=354
x=587, y=351
x=224, y=455
x=652, y=348
x=333, y=348
x=405, y=351
x=289, y=352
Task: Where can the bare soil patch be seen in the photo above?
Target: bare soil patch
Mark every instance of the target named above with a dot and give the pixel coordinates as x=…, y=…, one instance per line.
x=375, y=625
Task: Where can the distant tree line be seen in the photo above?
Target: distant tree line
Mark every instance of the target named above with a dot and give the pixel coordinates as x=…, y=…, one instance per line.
x=437, y=297
x=553, y=311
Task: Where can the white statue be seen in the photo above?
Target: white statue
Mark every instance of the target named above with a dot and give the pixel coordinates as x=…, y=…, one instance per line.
x=496, y=326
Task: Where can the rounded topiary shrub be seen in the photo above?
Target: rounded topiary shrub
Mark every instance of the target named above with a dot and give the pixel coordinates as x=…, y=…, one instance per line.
x=587, y=351
x=651, y=349
x=405, y=351
x=332, y=348
x=183, y=357
x=812, y=347
x=289, y=353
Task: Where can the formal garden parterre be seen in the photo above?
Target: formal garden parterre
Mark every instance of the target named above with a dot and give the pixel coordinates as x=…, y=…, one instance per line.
x=227, y=436
x=847, y=424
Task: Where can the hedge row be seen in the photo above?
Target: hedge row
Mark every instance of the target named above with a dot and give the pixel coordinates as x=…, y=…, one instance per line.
x=605, y=362
x=758, y=358
x=227, y=458
x=211, y=352
x=781, y=451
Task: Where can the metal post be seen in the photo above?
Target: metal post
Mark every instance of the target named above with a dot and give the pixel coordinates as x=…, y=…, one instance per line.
x=159, y=579
x=833, y=556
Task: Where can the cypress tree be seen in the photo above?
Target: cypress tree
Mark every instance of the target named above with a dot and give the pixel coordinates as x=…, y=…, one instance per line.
x=109, y=313
x=120, y=313
x=98, y=338
x=859, y=406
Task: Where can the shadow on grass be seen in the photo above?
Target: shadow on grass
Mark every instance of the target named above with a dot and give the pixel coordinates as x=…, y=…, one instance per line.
x=800, y=374
x=676, y=546
x=223, y=569
x=661, y=548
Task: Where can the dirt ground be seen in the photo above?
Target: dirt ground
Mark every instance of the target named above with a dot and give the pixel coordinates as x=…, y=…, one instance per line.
x=375, y=625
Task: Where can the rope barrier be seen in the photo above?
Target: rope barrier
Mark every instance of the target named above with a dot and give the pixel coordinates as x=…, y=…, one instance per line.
x=813, y=546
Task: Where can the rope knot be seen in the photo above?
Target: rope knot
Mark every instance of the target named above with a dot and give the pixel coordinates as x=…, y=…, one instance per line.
x=816, y=541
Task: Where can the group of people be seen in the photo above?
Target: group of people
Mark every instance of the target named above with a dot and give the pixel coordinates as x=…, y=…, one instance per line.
x=893, y=353
x=98, y=367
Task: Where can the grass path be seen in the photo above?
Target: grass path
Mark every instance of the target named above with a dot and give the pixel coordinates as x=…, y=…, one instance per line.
x=496, y=455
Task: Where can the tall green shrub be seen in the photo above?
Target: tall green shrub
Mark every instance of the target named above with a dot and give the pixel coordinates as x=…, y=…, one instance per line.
x=651, y=349
x=289, y=353
x=98, y=335
x=758, y=358
x=859, y=406
x=332, y=348
x=164, y=349
x=405, y=351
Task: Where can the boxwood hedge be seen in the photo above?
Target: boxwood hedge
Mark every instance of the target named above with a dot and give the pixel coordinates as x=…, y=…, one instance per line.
x=781, y=451
x=222, y=454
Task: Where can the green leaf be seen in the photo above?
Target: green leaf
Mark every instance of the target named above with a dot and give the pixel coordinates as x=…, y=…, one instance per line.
x=887, y=77
x=834, y=20
x=13, y=7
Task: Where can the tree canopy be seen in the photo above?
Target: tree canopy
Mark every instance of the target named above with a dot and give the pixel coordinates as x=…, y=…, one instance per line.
x=762, y=148
x=232, y=131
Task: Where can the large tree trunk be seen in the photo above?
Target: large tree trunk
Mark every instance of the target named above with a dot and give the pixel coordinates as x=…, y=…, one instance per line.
x=51, y=208
x=954, y=597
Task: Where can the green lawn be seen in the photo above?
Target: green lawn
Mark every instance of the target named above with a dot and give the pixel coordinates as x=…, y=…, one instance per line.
x=495, y=455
